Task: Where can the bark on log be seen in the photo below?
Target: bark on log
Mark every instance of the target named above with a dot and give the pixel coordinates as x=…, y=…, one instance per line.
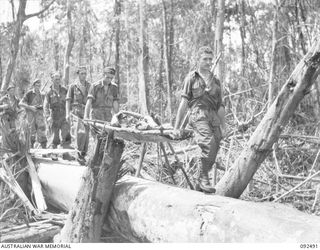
x=85, y=220
x=236, y=179
x=147, y=211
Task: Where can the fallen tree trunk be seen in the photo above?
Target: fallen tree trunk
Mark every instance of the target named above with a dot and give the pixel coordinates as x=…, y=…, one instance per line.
x=36, y=232
x=147, y=211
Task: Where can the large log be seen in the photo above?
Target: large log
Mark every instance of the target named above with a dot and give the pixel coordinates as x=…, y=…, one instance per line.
x=147, y=211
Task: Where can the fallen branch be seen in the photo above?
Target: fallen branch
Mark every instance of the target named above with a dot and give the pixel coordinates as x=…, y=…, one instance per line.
x=40, y=231
x=36, y=185
x=288, y=192
x=7, y=176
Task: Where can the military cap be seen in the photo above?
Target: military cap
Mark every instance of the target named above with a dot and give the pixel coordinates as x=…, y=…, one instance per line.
x=36, y=81
x=81, y=69
x=56, y=73
x=10, y=87
x=109, y=70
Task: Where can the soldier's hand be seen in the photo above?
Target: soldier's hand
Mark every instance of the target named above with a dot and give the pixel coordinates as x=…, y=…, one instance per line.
x=49, y=122
x=176, y=133
x=115, y=121
x=223, y=131
x=68, y=118
x=33, y=109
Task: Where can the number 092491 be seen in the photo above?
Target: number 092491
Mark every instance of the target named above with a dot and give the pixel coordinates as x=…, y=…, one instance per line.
x=308, y=246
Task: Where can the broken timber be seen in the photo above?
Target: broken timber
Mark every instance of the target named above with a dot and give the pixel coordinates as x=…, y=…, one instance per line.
x=36, y=186
x=147, y=211
x=36, y=232
x=7, y=176
x=85, y=220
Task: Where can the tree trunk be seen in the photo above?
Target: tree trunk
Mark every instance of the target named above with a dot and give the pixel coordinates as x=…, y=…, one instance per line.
x=167, y=60
x=0, y=70
x=56, y=55
x=171, y=39
x=219, y=38
x=128, y=56
x=85, y=220
x=71, y=40
x=17, y=26
x=148, y=211
x=235, y=180
x=14, y=44
x=117, y=13
x=159, y=83
x=273, y=54
x=143, y=61
x=242, y=35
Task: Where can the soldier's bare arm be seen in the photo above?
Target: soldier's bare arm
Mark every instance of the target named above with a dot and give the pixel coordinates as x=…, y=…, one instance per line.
x=221, y=115
x=24, y=104
x=87, y=108
x=182, y=110
x=115, y=107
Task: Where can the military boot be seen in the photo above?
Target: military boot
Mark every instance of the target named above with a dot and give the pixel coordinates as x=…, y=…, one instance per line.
x=81, y=158
x=204, y=183
x=44, y=146
x=32, y=141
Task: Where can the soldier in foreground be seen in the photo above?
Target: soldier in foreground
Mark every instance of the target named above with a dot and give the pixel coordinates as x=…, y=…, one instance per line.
x=202, y=95
x=75, y=105
x=32, y=101
x=55, y=113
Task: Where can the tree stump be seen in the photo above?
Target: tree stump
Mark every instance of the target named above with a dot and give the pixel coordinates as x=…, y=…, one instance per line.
x=85, y=220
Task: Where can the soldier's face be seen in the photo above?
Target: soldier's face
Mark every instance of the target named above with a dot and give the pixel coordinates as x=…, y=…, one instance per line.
x=108, y=77
x=11, y=91
x=56, y=79
x=37, y=86
x=82, y=76
x=205, y=61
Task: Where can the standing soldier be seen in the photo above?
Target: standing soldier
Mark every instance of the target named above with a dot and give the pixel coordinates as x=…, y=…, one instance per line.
x=32, y=101
x=9, y=105
x=76, y=102
x=103, y=98
x=55, y=113
x=202, y=95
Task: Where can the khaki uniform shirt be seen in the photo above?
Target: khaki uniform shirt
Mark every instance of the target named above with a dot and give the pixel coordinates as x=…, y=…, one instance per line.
x=204, y=94
x=55, y=103
x=102, y=99
x=77, y=94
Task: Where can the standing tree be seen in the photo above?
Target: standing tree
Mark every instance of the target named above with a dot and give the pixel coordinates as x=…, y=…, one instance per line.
x=143, y=60
x=127, y=44
x=70, y=44
x=117, y=14
x=219, y=37
x=167, y=59
x=17, y=27
x=273, y=54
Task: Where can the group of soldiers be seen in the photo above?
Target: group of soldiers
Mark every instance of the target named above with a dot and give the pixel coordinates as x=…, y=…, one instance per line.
x=201, y=98
x=50, y=115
